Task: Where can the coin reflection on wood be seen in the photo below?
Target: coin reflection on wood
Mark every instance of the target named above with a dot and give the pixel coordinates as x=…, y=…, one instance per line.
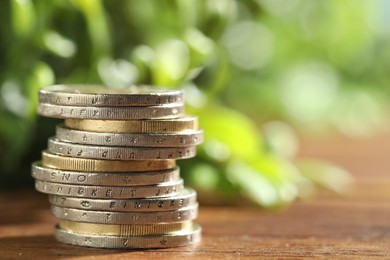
x=110, y=171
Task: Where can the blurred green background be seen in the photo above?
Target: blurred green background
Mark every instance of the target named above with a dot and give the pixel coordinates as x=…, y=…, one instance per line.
x=255, y=72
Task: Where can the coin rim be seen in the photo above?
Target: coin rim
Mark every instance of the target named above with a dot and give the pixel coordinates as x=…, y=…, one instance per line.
x=156, y=140
x=121, y=113
x=124, y=153
x=175, y=187
x=124, y=217
x=42, y=173
x=99, y=165
x=156, y=241
x=55, y=96
x=187, y=194
x=124, y=230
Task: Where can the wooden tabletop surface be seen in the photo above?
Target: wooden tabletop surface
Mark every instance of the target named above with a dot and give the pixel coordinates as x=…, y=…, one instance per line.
x=356, y=225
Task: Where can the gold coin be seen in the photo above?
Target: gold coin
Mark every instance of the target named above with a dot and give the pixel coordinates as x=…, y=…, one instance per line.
x=124, y=230
x=177, y=125
x=95, y=165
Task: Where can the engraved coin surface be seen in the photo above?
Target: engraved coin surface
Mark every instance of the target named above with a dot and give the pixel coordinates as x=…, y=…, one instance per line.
x=119, y=153
x=109, y=217
x=93, y=165
x=184, y=199
x=110, y=172
x=177, y=125
x=124, y=230
x=189, y=138
x=181, y=238
x=42, y=173
x=111, y=113
x=108, y=192
x=91, y=95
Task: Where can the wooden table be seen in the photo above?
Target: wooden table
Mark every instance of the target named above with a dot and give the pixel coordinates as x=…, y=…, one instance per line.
x=354, y=225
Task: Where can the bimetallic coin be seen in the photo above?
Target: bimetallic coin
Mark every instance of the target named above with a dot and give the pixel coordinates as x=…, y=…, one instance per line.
x=54, y=161
x=181, y=238
x=189, y=138
x=122, y=218
x=111, y=113
x=156, y=126
x=91, y=95
x=124, y=230
x=184, y=199
x=42, y=173
x=119, y=153
x=109, y=192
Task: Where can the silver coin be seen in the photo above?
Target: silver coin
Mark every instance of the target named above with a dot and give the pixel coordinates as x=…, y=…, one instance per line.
x=119, y=153
x=111, y=192
x=91, y=95
x=182, y=238
x=43, y=173
x=111, y=113
x=182, y=200
x=189, y=138
x=111, y=217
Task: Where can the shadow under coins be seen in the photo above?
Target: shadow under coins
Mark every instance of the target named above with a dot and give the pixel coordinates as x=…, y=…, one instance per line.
x=20, y=207
x=45, y=247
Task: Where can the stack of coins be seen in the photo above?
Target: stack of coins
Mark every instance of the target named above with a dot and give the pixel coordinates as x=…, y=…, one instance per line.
x=111, y=168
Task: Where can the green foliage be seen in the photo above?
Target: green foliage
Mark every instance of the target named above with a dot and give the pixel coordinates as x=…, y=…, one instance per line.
x=316, y=65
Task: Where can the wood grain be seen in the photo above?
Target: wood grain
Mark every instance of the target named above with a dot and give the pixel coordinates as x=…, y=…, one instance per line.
x=356, y=225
